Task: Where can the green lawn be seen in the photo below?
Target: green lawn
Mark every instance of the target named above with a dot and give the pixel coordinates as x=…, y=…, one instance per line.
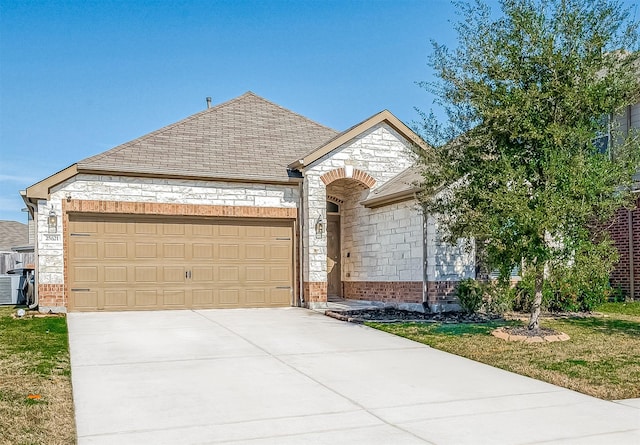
x=36, y=404
x=601, y=359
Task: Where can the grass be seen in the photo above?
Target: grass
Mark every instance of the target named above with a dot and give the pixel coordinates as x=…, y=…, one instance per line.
x=601, y=359
x=622, y=308
x=36, y=404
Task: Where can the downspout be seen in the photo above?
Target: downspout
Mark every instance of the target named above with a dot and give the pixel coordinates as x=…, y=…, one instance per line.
x=632, y=289
x=630, y=220
x=425, y=260
x=36, y=254
x=301, y=244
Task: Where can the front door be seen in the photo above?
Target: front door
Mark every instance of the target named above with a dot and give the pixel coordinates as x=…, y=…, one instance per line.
x=334, y=284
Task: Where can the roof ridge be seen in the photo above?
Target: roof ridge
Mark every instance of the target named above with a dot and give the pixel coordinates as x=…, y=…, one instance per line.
x=287, y=110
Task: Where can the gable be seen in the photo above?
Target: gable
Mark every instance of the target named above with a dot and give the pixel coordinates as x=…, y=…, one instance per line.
x=384, y=117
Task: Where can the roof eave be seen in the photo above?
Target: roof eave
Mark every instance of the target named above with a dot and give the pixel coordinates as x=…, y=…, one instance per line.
x=135, y=174
x=42, y=189
x=393, y=198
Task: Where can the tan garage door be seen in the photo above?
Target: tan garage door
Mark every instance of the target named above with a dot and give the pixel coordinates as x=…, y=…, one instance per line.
x=133, y=263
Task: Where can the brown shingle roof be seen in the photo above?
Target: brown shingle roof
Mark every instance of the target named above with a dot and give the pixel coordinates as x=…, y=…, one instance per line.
x=245, y=138
x=13, y=234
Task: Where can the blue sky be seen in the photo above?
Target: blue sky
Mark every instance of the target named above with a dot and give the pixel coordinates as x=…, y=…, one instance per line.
x=80, y=77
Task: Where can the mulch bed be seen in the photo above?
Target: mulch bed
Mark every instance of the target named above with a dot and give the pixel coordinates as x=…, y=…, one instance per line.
x=392, y=315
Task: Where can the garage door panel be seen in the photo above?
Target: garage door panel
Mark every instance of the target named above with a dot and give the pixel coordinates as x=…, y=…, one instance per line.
x=115, y=275
x=146, y=250
x=202, y=251
x=84, y=300
x=86, y=274
x=146, y=274
x=115, y=250
x=256, y=296
x=280, y=274
x=256, y=252
x=146, y=298
x=146, y=228
x=174, y=274
x=280, y=252
x=174, y=250
x=203, y=297
x=174, y=298
x=86, y=250
x=280, y=296
x=85, y=227
x=229, y=252
x=255, y=273
x=202, y=273
x=128, y=263
x=280, y=232
x=256, y=232
x=229, y=273
x=229, y=297
x=115, y=299
x=228, y=231
x=115, y=227
x=173, y=229
x=202, y=230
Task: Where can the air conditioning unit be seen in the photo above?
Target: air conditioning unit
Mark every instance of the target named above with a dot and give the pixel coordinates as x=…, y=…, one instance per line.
x=9, y=285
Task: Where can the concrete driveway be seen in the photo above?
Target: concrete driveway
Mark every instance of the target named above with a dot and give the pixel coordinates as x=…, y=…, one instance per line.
x=293, y=376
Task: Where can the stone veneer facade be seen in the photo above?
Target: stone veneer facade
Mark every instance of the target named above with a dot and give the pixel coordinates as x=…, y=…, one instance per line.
x=375, y=156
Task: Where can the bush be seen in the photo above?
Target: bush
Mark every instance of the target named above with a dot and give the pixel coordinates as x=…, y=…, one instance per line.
x=470, y=293
x=498, y=297
x=567, y=289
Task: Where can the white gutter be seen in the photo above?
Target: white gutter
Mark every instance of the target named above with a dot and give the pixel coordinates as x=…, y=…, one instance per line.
x=36, y=254
x=301, y=244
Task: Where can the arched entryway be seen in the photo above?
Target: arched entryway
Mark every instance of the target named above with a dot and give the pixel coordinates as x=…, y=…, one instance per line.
x=345, y=189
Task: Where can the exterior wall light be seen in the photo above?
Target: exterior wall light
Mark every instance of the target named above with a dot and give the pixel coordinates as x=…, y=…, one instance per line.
x=320, y=226
x=52, y=221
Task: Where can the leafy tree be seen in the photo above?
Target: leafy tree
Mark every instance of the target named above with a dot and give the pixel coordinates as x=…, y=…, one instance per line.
x=518, y=167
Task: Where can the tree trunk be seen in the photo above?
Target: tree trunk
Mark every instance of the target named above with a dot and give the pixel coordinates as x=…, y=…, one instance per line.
x=537, y=301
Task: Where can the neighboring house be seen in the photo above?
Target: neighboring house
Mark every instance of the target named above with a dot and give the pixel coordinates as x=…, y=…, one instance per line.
x=245, y=204
x=14, y=249
x=625, y=228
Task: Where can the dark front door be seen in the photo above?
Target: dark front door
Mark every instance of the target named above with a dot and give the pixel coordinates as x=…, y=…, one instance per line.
x=334, y=285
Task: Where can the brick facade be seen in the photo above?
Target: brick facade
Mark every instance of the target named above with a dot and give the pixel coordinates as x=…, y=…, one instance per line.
x=340, y=173
x=149, y=208
x=441, y=293
x=52, y=296
x=386, y=291
x=629, y=252
x=315, y=292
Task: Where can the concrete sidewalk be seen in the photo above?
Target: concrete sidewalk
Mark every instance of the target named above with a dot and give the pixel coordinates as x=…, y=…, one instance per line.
x=293, y=376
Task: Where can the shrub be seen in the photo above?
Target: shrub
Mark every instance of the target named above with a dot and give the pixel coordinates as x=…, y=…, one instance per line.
x=498, y=297
x=470, y=294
